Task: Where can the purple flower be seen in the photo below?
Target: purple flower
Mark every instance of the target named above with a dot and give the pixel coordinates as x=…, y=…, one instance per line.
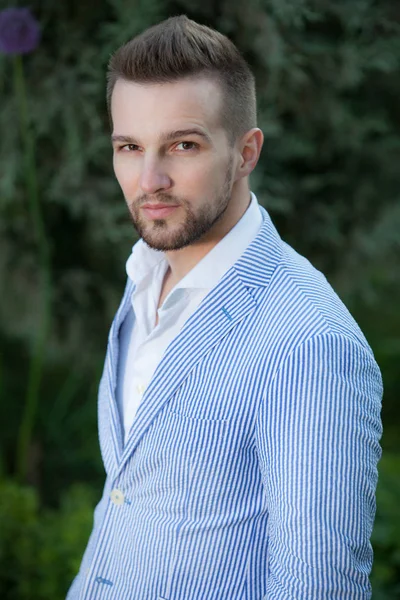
x=19, y=31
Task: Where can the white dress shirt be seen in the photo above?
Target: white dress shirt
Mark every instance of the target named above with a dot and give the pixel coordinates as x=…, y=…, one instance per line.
x=142, y=344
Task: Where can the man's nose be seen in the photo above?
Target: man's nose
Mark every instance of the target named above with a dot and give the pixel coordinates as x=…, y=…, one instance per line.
x=154, y=177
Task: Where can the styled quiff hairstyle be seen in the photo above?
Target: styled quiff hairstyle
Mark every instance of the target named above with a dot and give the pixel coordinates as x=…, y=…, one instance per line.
x=179, y=48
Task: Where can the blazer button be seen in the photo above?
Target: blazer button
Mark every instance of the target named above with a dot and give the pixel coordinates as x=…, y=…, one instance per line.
x=117, y=497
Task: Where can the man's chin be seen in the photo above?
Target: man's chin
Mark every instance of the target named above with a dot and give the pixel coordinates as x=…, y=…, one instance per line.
x=163, y=245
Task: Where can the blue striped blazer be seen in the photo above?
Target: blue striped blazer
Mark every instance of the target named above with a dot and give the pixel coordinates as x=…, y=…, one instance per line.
x=251, y=467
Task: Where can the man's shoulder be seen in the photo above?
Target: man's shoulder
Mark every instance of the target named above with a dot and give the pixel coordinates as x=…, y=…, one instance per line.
x=301, y=297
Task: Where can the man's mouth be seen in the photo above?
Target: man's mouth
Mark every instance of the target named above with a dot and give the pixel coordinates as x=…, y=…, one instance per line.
x=158, y=211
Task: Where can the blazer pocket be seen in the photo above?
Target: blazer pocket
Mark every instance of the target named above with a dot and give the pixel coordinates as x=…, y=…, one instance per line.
x=196, y=408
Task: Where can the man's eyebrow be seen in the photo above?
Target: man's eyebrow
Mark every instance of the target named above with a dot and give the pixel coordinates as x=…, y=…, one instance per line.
x=165, y=137
x=126, y=139
x=181, y=133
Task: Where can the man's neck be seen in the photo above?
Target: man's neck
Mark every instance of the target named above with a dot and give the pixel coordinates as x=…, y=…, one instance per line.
x=184, y=260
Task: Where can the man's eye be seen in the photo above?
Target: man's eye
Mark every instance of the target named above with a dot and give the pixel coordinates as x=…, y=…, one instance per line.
x=186, y=146
x=128, y=148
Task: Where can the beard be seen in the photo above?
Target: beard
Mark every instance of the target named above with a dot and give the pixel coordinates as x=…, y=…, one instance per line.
x=160, y=235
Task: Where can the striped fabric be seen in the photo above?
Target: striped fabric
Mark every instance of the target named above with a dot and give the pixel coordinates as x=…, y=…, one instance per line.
x=251, y=466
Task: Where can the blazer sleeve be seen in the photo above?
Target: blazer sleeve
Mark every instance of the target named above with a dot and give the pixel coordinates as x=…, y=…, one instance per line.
x=318, y=433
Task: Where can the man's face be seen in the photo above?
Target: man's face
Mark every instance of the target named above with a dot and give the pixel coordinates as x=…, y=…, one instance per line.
x=172, y=159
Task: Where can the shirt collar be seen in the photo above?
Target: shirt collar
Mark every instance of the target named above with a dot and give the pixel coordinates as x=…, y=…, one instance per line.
x=143, y=261
x=212, y=267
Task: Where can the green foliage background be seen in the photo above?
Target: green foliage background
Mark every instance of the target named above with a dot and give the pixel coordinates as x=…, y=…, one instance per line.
x=328, y=93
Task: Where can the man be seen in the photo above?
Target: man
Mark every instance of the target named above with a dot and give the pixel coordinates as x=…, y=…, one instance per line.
x=239, y=409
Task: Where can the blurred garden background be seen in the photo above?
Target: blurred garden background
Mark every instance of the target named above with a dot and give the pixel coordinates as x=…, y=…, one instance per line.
x=328, y=80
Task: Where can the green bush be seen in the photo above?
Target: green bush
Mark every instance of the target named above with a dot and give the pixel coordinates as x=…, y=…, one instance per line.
x=385, y=575
x=41, y=549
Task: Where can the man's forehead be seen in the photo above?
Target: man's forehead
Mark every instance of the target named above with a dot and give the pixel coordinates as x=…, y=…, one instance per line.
x=182, y=102
x=187, y=85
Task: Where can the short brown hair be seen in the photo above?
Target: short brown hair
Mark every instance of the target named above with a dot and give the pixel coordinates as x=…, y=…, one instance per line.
x=179, y=48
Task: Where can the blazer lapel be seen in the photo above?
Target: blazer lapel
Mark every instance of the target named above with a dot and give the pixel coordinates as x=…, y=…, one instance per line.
x=111, y=368
x=222, y=309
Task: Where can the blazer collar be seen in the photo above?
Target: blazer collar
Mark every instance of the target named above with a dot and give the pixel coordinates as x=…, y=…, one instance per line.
x=261, y=257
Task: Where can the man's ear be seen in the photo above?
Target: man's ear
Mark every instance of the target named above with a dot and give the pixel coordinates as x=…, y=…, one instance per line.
x=249, y=147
